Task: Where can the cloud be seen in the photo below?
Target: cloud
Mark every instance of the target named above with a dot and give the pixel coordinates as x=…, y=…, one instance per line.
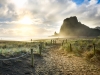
x=24, y=30
x=47, y=15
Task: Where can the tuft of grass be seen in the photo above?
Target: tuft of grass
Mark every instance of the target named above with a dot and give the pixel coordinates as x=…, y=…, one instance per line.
x=88, y=54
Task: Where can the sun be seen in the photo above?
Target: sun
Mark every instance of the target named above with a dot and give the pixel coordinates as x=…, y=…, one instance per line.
x=25, y=20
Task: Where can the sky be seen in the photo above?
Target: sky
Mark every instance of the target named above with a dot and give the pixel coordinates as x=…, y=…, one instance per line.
x=44, y=17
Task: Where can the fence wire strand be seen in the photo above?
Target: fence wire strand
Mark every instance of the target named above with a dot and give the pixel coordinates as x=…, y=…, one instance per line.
x=14, y=57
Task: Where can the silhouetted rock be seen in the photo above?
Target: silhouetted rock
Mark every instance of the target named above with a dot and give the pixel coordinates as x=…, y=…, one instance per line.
x=97, y=27
x=71, y=27
x=55, y=34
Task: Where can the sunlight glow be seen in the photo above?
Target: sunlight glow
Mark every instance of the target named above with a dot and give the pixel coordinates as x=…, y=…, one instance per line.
x=25, y=30
x=25, y=20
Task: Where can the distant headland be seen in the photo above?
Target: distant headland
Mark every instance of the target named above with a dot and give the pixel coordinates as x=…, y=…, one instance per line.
x=71, y=27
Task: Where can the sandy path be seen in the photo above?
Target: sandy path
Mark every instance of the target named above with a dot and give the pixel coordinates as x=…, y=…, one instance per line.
x=52, y=62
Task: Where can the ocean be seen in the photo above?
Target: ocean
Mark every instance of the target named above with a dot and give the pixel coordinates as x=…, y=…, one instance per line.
x=23, y=38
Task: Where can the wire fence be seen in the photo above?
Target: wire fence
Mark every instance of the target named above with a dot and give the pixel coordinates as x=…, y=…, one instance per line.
x=36, y=49
x=14, y=58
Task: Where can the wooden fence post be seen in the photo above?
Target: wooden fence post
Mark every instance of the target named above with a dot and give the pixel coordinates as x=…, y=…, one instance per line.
x=66, y=40
x=40, y=48
x=45, y=43
x=32, y=58
x=51, y=42
x=62, y=42
x=70, y=48
x=55, y=41
x=94, y=47
x=42, y=44
x=31, y=40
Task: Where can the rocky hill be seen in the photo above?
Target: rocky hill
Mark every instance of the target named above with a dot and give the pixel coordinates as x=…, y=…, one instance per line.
x=71, y=27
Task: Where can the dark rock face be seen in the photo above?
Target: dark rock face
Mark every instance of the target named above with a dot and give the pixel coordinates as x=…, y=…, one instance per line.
x=71, y=27
x=97, y=28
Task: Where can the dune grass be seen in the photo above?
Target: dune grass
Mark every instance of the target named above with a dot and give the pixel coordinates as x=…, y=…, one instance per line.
x=12, y=48
x=83, y=47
